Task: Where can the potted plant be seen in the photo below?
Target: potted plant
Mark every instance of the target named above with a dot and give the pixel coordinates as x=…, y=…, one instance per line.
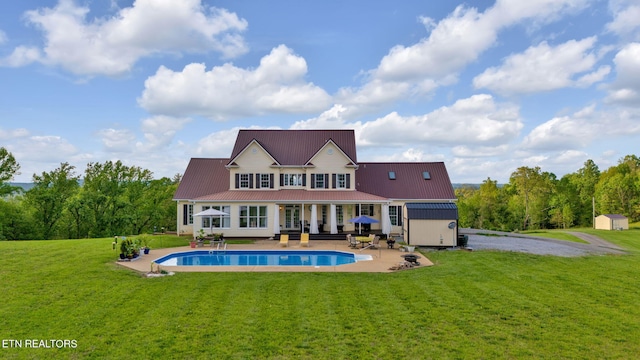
x=127, y=249
x=144, y=240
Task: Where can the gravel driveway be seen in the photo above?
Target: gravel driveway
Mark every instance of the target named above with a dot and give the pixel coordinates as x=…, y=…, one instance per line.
x=538, y=245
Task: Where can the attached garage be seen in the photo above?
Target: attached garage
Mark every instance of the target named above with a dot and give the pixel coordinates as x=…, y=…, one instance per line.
x=612, y=222
x=431, y=224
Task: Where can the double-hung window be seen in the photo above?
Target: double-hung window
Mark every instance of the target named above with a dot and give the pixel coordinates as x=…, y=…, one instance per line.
x=265, y=181
x=253, y=217
x=187, y=214
x=244, y=181
x=292, y=180
x=218, y=221
x=319, y=181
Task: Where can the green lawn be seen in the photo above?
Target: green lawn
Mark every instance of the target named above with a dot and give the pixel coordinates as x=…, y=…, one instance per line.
x=554, y=234
x=471, y=305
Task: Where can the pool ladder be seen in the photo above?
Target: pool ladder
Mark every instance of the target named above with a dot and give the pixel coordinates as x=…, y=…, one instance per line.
x=218, y=248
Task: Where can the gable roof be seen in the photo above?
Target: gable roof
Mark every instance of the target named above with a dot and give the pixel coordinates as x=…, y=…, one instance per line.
x=614, y=216
x=202, y=177
x=373, y=178
x=295, y=147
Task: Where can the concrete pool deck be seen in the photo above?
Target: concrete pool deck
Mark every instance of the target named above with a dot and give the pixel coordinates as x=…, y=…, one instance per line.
x=383, y=258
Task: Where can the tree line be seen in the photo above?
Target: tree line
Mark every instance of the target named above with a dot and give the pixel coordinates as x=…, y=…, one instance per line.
x=535, y=199
x=110, y=199
x=114, y=199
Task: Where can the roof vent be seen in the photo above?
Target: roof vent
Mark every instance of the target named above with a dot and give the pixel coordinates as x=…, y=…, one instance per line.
x=426, y=175
x=392, y=175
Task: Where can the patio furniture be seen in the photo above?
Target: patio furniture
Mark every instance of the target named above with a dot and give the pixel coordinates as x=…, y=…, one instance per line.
x=375, y=242
x=391, y=242
x=353, y=242
x=304, y=239
x=284, y=240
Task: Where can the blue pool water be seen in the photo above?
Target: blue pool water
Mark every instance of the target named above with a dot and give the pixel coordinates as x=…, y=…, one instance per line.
x=260, y=258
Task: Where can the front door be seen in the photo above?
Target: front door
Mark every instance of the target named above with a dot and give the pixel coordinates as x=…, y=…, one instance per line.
x=292, y=217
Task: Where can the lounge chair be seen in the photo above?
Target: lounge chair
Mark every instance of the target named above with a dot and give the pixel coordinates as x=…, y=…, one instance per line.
x=374, y=243
x=284, y=240
x=304, y=239
x=353, y=243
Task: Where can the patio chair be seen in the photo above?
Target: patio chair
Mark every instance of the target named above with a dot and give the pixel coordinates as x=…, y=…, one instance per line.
x=353, y=243
x=304, y=239
x=375, y=243
x=284, y=240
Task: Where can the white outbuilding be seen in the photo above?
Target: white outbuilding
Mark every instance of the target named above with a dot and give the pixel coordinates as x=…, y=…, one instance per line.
x=612, y=222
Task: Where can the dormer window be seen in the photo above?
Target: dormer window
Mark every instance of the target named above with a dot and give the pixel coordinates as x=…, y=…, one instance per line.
x=392, y=175
x=245, y=181
x=319, y=181
x=292, y=180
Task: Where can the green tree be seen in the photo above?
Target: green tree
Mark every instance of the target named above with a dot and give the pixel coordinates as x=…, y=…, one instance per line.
x=533, y=189
x=8, y=169
x=584, y=181
x=115, y=197
x=15, y=223
x=48, y=198
x=618, y=191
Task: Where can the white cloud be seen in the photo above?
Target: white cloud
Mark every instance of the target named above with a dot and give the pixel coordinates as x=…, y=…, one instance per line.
x=276, y=86
x=625, y=19
x=220, y=143
x=474, y=120
x=626, y=88
x=560, y=133
x=42, y=149
x=21, y=56
x=3, y=37
x=13, y=134
x=581, y=129
x=111, y=46
x=117, y=141
x=160, y=130
x=479, y=151
x=544, y=68
x=453, y=43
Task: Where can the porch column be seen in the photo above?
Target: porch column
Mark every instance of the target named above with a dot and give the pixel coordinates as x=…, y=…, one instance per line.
x=302, y=218
x=333, y=222
x=386, y=221
x=313, y=225
x=276, y=219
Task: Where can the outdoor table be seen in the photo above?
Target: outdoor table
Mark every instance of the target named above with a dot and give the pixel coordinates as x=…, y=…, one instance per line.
x=363, y=240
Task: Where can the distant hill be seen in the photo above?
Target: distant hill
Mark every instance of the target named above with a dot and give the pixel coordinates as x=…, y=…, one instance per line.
x=457, y=186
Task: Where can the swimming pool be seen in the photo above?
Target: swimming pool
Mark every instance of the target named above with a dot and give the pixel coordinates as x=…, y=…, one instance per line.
x=261, y=258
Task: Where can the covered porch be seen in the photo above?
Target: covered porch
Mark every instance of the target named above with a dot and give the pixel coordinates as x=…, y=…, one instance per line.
x=330, y=220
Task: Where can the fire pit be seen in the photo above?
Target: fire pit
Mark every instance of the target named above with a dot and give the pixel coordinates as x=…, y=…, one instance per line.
x=411, y=258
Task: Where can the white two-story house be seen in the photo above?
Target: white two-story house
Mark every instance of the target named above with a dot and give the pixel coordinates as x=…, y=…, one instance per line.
x=278, y=181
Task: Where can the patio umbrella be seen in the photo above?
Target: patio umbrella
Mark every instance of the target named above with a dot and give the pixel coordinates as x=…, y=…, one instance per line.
x=211, y=212
x=363, y=219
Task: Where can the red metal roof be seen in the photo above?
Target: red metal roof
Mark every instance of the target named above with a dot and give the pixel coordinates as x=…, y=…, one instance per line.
x=292, y=196
x=202, y=177
x=373, y=178
x=295, y=147
x=208, y=179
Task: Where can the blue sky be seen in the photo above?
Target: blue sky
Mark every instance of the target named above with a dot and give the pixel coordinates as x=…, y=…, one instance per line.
x=484, y=86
